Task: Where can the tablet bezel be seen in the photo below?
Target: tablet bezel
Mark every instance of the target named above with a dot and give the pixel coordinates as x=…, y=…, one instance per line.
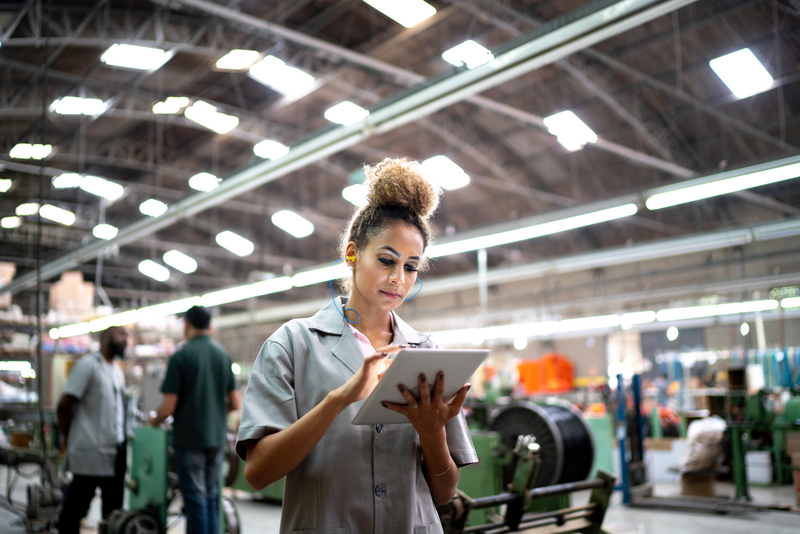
x=458, y=366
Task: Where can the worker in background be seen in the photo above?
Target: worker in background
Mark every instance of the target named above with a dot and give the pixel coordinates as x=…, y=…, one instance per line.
x=199, y=389
x=91, y=417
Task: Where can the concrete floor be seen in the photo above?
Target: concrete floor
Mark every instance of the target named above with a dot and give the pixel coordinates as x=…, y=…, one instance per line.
x=259, y=517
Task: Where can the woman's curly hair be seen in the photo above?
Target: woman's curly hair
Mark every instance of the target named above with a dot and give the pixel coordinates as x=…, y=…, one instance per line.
x=397, y=191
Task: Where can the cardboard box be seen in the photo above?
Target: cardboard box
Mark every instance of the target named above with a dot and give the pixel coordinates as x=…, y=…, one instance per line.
x=71, y=295
x=792, y=442
x=699, y=485
x=7, y=271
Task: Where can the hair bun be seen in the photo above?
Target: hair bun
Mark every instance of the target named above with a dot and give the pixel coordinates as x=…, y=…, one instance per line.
x=401, y=182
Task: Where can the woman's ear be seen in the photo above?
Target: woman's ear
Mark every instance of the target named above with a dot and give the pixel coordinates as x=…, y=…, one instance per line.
x=350, y=254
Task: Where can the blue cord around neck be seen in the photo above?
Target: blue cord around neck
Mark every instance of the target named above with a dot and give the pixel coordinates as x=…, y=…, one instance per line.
x=336, y=304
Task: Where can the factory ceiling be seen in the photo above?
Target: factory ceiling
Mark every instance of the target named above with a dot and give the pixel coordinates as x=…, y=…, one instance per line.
x=660, y=113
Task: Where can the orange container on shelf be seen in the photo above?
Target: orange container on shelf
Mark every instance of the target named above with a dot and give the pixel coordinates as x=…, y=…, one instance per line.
x=530, y=374
x=558, y=372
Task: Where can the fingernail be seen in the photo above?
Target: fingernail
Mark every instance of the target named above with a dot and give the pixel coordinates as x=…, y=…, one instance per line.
x=384, y=353
x=402, y=389
x=384, y=405
x=441, y=377
x=422, y=378
x=403, y=346
x=469, y=386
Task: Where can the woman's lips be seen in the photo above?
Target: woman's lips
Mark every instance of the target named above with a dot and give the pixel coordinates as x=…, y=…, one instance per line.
x=391, y=294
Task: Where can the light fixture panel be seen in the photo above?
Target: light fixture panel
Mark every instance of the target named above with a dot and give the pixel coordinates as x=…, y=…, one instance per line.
x=135, y=57
x=346, y=113
x=742, y=72
x=409, y=13
x=292, y=223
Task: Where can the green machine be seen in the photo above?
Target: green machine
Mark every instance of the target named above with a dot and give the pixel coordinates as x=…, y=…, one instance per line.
x=531, y=481
x=152, y=486
x=752, y=416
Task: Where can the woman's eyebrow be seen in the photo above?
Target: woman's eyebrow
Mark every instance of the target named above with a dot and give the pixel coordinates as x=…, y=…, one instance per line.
x=393, y=251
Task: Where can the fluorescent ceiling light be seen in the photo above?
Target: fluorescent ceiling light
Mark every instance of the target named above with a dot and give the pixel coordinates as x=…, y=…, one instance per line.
x=346, y=113
x=237, y=59
x=135, y=57
x=356, y=194
x=695, y=312
x=793, y=302
x=101, y=187
x=153, y=208
x=269, y=149
x=408, y=12
x=171, y=106
x=10, y=222
x=292, y=223
x=15, y=366
x=29, y=208
x=204, y=182
x=154, y=270
x=235, y=243
x=207, y=115
x=118, y=319
x=570, y=130
x=520, y=343
x=180, y=261
x=56, y=214
x=744, y=329
x=28, y=151
x=643, y=317
x=442, y=171
x=71, y=330
x=742, y=72
x=169, y=308
x=723, y=187
x=74, y=105
x=68, y=180
x=275, y=73
x=105, y=231
x=530, y=232
x=257, y=289
x=468, y=53
x=5, y=184
x=323, y=274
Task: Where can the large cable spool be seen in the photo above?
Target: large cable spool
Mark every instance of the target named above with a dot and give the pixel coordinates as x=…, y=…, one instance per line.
x=564, y=438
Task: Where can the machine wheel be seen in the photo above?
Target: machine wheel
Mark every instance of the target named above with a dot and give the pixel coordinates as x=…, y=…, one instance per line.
x=131, y=522
x=566, y=446
x=232, y=522
x=142, y=523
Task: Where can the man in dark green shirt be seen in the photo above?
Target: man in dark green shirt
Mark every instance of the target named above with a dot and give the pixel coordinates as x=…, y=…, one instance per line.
x=199, y=389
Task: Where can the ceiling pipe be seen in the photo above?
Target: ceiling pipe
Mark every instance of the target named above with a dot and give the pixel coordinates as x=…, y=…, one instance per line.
x=565, y=38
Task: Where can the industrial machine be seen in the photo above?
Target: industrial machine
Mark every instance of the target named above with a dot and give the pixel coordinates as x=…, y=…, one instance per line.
x=532, y=457
x=753, y=417
x=747, y=414
x=152, y=486
x=40, y=458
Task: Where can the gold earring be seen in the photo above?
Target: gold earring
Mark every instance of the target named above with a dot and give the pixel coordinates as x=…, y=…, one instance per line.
x=351, y=258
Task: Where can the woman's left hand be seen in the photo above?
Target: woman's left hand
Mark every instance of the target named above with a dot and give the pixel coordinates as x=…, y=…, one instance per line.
x=430, y=414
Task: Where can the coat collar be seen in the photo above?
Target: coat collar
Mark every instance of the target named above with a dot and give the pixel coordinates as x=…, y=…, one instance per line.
x=329, y=321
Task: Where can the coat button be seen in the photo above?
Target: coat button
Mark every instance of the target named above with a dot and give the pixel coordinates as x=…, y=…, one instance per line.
x=380, y=490
x=379, y=428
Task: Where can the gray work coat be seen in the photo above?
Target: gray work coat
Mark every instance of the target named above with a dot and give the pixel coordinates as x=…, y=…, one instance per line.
x=357, y=479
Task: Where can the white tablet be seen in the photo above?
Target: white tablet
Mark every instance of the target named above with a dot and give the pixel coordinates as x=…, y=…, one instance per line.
x=457, y=365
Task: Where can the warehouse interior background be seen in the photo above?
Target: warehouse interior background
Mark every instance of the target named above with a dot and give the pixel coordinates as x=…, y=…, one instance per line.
x=622, y=194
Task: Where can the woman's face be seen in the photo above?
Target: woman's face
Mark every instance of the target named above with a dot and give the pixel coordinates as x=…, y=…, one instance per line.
x=385, y=271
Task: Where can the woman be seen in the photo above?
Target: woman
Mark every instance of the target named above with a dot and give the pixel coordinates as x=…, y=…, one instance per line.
x=311, y=375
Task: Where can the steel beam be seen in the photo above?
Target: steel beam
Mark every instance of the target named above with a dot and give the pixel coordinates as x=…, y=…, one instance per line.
x=567, y=36
x=666, y=248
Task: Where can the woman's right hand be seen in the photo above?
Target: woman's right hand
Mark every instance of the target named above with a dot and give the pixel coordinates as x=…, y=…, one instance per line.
x=361, y=384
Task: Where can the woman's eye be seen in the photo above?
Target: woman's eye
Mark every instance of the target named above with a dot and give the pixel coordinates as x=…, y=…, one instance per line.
x=386, y=261
x=411, y=268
